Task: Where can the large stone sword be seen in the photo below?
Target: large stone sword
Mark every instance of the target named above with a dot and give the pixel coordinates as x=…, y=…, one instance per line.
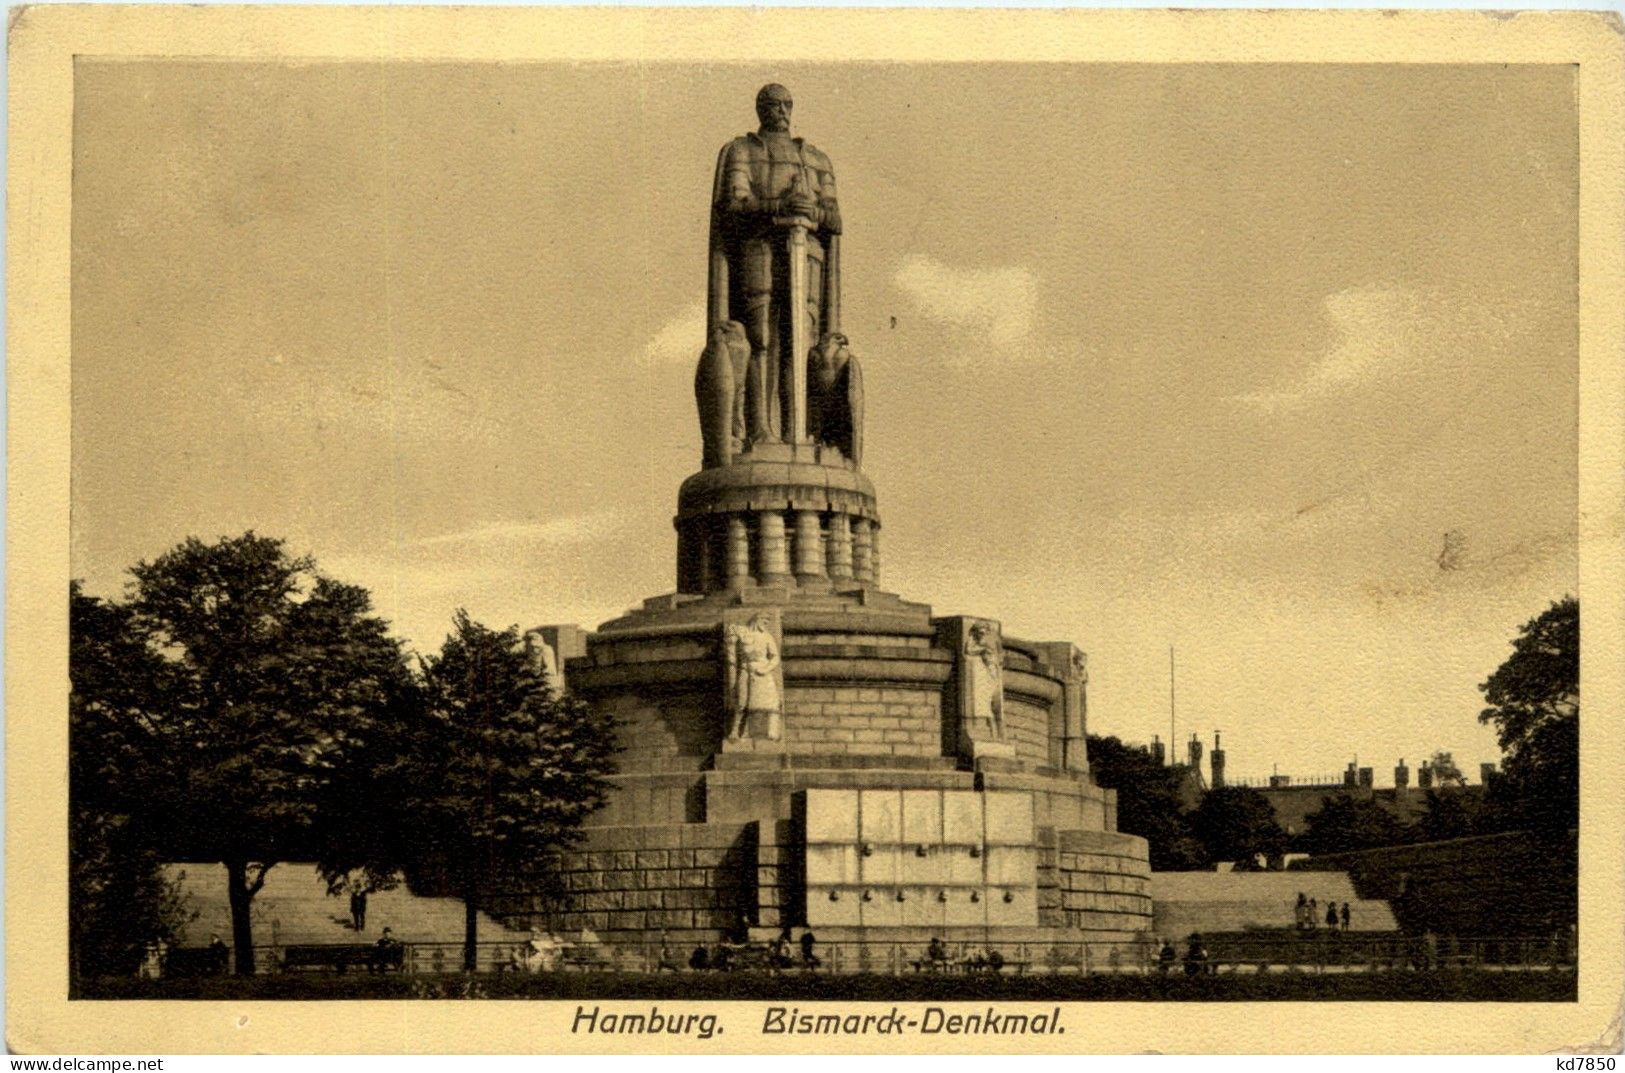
x=795, y=386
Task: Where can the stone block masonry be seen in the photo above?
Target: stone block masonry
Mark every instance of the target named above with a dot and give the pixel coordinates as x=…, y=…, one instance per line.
x=830, y=719
x=646, y=879
x=1104, y=881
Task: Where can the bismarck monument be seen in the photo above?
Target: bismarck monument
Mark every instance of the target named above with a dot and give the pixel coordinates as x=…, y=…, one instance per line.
x=801, y=747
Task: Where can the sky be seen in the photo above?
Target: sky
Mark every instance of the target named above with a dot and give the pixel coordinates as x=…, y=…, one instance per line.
x=1202, y=356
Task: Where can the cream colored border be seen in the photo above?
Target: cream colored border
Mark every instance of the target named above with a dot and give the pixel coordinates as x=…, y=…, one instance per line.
x=44, y=41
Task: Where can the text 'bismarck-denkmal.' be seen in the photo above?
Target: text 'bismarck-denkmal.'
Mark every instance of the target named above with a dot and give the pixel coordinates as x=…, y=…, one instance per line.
x=933, y=1020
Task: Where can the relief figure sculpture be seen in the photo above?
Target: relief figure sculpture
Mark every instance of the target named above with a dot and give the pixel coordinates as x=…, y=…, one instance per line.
x=544, y=661
x=751, y=659
x=984, y=657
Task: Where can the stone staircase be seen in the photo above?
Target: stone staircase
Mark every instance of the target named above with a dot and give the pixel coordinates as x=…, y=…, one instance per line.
x=1215, y=902
x=295, y=908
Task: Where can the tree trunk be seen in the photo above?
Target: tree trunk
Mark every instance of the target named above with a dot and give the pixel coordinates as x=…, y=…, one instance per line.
x=471, y=929
x=242, y=924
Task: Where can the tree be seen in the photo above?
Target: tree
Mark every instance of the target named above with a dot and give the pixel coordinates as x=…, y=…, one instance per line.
x=1148, y=803
x=503, y=773
x=1533, y=700
x=265, y=679
x=1345, y=823
x=1445, y=771
x=1448, y=815
x=118, y=895
x=1237, y=823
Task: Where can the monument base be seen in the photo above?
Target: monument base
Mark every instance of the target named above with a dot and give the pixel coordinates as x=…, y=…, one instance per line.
x=991, y=750
x=764, y=733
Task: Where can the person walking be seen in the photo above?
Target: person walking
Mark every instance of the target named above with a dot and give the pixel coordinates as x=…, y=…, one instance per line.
x=1345, y=916
x=1314, y=914
x=358, y=908
x=1331, y=916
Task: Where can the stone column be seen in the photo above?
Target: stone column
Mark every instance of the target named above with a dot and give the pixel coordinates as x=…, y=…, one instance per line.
x=705, y=559
x=773, y=565
x=809, y=546
x=874, y=554
x=839, y=547
x=737, y=566
x=862, y=564
x=686, y=579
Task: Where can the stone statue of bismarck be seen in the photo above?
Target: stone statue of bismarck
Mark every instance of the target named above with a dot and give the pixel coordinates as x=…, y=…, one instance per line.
x=775, y=225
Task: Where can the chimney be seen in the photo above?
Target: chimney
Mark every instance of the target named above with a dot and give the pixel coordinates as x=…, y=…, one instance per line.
x=1217, y=761
x=1366, y=780
x=1158, y=757
x=1486, y=772
x=1424, y=775
x=1193, y=749
x=1402, y=775
x=1351, y=776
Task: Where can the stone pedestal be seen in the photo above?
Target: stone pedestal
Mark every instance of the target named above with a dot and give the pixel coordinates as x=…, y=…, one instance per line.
x=991, y=750
x=797, y=746
x=778, y=513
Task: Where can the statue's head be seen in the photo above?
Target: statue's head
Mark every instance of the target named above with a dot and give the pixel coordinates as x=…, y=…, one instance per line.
x=773, y=106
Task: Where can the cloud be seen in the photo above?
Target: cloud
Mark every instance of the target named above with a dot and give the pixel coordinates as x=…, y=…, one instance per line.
x=1378, y=334
x=680, y=339
x=998, y=303
x=571, y=529
x=412, y=400
x=416, y=584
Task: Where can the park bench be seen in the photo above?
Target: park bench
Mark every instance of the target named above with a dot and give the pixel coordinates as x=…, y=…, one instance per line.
x=195, y=961
x=341, y=956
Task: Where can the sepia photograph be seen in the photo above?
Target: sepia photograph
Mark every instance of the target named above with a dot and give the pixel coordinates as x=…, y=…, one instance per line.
x=646, y=535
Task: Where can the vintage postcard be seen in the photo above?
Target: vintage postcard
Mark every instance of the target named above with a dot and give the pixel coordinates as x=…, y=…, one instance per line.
x=777, y=531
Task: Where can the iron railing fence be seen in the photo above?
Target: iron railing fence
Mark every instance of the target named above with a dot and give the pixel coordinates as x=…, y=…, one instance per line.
x=1230, y=953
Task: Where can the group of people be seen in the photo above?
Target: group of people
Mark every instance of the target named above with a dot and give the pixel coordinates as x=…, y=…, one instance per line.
x=1308, y=917
x=154, y=957
x=1196, y=957
x=938, y=960
x=737, y=951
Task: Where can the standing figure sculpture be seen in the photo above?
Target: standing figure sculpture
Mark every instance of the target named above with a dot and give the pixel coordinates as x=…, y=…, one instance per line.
x=775, y=263
x=544, y=661
x=751, y=658
x=985, y=657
